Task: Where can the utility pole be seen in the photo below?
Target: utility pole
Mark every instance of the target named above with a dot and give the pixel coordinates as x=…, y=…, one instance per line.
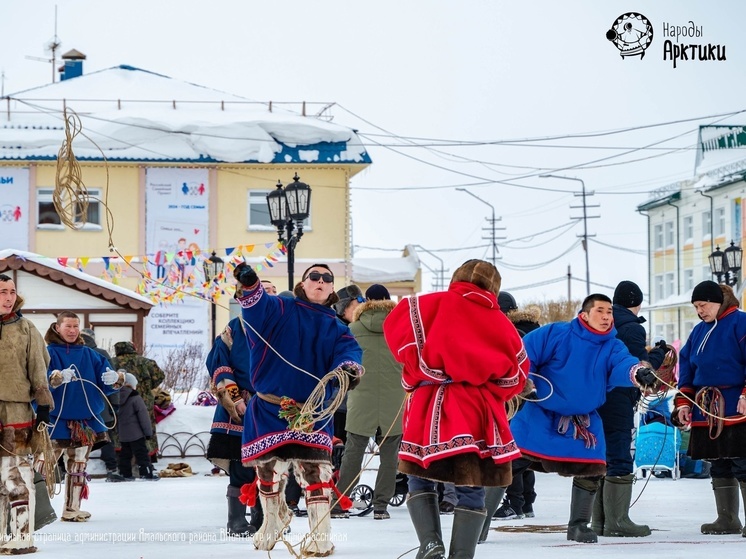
x=569, y=284
x=586, y=217
x=492, y=229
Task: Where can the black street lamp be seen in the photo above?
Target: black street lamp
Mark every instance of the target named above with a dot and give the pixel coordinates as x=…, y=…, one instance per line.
x=726, y=264
x=213, y=266
x=288, y=208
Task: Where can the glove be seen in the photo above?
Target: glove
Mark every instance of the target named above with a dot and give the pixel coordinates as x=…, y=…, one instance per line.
x=109, y=377
x=646, y=378
x=353, y=374
x=67, y=375
x=662, y=344
x=245, y=275
x=42, y=415
x=230, y=398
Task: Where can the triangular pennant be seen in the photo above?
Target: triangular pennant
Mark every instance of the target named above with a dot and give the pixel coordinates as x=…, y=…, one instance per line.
x=229, y=250
x=62, y=261
x=106, y=262
x=85, y=260
x=128, y=259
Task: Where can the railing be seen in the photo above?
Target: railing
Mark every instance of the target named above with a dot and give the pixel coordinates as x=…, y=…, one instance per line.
x=183, y=442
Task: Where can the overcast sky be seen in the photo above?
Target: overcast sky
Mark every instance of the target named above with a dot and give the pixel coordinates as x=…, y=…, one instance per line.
x=428, y=85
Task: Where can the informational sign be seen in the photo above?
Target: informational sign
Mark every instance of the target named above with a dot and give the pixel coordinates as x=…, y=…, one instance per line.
x=14, y=208
x=177, y=220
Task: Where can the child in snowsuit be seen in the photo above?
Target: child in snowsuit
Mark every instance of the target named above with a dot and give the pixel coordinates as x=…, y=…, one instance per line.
x=133, y=425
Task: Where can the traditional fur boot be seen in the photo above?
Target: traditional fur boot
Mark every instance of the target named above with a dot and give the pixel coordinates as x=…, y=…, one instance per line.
x=319, y=541
x=467, y=527
x=76, y=489
x=727, y=503
x=18, y=480
x=598, y=519
x=423, y=510
x=616, y=500
x=580, y=514
x=492, y=498
x=272, y=498
x=238, y=526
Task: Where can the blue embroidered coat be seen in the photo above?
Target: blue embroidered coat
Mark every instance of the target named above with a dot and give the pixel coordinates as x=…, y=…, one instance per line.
x=310, y=338
x=229, y=360
x=581, y=365
x=78, y=400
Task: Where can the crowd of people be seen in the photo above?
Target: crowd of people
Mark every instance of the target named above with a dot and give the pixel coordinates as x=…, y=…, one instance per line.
x=558, y=398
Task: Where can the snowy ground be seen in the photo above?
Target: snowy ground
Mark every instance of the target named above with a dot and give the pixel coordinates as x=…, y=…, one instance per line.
x=184, y=518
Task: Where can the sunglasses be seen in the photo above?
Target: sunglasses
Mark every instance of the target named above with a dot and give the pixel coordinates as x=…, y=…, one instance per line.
x=360, y=299
x=316, y=276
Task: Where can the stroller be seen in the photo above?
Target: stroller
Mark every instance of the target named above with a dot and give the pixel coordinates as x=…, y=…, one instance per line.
x=362, y=494
x=657, y=441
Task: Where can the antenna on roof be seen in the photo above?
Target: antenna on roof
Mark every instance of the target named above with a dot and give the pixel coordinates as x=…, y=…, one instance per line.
x=51, y=47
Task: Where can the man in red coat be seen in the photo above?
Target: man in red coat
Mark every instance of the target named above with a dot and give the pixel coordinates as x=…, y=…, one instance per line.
x=463, y=359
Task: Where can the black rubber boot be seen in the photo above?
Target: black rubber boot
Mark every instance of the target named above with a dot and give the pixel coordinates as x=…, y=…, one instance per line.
x=580, y=514
x=467, y=527
x=43, y=512
x=238, y=526
x=492, y=498
x=425, y=515
x=617, y=498
x=743, y=494
x=727, y=503
x=598, y=519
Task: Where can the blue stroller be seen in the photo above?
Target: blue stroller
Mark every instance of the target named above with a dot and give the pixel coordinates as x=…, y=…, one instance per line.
x=657, y=441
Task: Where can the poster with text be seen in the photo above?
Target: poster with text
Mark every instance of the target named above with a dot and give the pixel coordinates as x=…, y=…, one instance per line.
x=177, y=220
x=14, y=208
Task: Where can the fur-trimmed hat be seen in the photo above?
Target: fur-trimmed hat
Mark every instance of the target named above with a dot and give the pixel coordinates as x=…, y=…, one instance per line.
x=346, y=296
x=627, y=294
x=708, y=291
x=479, y=272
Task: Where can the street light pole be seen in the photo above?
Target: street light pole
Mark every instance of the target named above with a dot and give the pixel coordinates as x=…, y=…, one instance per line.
x=492, y=223
x=288, y=207
x=212, y=266
x=585, y=225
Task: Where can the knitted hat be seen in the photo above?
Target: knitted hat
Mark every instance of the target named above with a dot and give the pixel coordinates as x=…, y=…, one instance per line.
x=479, y=272
x=130, y=379
x=507, y=302
x=708, y=291
x=346, y=296
x=627, y=294
x=377, y=292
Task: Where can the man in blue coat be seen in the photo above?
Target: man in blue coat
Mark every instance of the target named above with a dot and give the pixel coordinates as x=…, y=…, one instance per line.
x=293, y=343
x=574, y=364
x=611, y=508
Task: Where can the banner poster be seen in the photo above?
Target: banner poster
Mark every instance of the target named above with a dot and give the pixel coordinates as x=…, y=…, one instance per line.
x=14, y=208
x=176, y=224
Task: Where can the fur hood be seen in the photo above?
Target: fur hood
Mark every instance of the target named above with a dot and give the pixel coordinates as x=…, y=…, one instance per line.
x=53, y=337
x=373, y=305
x=531, y=313
x=729, y=299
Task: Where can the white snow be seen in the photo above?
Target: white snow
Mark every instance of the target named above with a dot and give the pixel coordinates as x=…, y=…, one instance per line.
x=129, y=113
x=183, y=517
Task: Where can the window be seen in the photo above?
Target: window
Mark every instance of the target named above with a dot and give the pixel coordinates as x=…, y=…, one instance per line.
x=659, y=288
x=659, y=331
x=706, y=273
x=688, y=228
x=670, y=290
x=669, y=234
x=669, y=337
x=46, y=213
x=658, y=237
x=719, y=222
x=688, y=279
x=688, y=327
x=48, y=218
x=706, y=224
x=257, y=213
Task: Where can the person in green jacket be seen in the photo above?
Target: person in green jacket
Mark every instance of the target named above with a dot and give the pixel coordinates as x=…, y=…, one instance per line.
x=374, y=408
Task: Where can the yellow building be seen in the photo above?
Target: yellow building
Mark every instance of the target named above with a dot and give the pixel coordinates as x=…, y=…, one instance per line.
x=690, y=220
x=174, y=171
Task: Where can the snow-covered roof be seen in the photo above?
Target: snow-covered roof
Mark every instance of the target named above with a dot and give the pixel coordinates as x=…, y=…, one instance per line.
x=131, y=114
x=67, y=275
x=382, y=270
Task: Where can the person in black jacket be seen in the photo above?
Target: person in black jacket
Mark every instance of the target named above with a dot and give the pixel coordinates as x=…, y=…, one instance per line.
x=133, y=425
x=611, y=507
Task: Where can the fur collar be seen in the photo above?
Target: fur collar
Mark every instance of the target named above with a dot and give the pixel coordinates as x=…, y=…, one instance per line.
x=385, y=305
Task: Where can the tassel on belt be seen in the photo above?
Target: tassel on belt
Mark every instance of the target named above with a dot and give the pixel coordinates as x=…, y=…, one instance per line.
x=581, y=424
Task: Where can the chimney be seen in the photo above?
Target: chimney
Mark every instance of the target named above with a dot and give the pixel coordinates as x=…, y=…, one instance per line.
x=73, y=65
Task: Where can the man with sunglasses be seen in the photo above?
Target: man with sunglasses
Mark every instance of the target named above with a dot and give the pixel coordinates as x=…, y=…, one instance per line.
x=293, y=343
